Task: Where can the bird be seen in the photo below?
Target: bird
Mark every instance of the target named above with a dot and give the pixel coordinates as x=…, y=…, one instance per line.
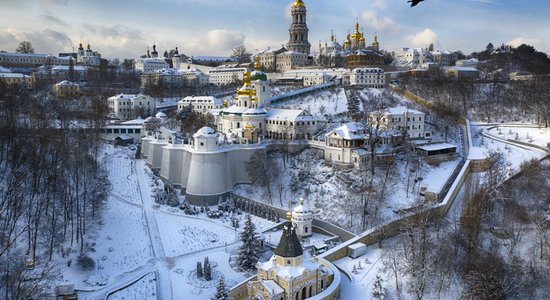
x=414, y=2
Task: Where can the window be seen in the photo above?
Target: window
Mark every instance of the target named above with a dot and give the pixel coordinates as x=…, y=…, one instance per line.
x=202, y=143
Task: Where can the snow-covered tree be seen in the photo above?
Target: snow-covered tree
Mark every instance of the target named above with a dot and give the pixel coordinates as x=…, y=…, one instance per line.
x=249, y=253
x=199, y=269
x=378, y=291
x=207, y=269
x=221, y=291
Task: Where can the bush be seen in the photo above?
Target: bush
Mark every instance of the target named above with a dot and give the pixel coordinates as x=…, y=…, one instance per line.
x=86, y=263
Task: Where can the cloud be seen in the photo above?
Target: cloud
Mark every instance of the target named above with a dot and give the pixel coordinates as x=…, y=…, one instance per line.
x=52, y=20
x=423, y=38
x=379, y=4
x=380, y=24
x=538, y=44
x=44, y=41
x=54, y=2
x=221, y=40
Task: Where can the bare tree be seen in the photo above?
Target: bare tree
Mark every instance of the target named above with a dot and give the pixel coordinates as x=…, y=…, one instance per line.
x=25, y=47
x=241, y=54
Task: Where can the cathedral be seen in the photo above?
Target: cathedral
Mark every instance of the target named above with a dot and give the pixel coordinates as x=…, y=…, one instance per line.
x=354, y=52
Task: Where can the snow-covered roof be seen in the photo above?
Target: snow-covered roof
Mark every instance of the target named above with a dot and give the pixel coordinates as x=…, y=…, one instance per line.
x=463, y=69
x=14, y=75
x=160, y=115
x=273, y=287
x=166, y=72
x=401, y=110
x=289, y=271
x=205, y=132
x=438, y=146
x=367, y=70
x=214, y=58
x=4, y=70
x=123, y=97
x=356, y=246
x=255, y=111
x=67, y=68
x=302, y=208
x=290, y=115
x=24, y=54
x=349, y=131
x=293, y=53
x=138, y=121
x=66, y=83
x=234, y=110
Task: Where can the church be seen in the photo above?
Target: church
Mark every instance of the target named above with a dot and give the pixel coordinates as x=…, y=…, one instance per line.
x=250, y=119
x=291, y=273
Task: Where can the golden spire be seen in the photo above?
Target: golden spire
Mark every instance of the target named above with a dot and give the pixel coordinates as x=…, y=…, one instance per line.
x=257, y=64
x=298, y=3
x=332, y=35
x=356, y=27
x=289, y=216
x=301, y=201
x=376, y=43
x=362, y=38
x=225, y=103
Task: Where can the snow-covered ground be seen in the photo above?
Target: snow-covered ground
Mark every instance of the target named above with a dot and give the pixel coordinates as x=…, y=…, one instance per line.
x=138, y=239
x=536, y=136
x=319, y=104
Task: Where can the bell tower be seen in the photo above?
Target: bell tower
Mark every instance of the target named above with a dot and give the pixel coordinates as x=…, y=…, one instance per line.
x=298, y=31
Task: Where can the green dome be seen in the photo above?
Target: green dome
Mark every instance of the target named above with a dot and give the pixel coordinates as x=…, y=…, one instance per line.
x=258, y=75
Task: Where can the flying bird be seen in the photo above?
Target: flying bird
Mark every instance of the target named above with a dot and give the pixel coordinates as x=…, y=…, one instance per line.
x=414, y=2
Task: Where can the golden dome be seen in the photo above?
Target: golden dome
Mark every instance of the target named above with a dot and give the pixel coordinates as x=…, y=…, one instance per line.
x=375, y=43
x=289, y=216
x=357, y=34
x=298, y=3
x=257, y=64
x=249, y=126
x=362, y=38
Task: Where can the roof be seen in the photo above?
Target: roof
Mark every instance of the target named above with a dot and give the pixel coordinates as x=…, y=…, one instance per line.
x=400, y=110
x=273, y=287
x=14, y=75
x=201, y=99
x=255, y=111
x=463, y=69
x=205, y=132
x=289, y=244
x=434, y=147
x=23, y=54
x=166, y=72
x=356, y=246
x=66, y=82
x=67, y=68
x=289, y=115
x=4, y=70
x=214, y=58
x=349, y=131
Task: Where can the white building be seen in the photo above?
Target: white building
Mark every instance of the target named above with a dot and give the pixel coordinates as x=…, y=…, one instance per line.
x=195, y=76
x=201, y=104
x=23, y=60
x=365, y=77
x=443, y=58
x=302, y=219
x=206, y=139
x=412, y=57
x=404, y=119
x=88, y=57
x=225, y=76
x=291, y=124
x=146, y=65
x=164, y=77
x=125, y=106
x=290, y=60
x=472, y=62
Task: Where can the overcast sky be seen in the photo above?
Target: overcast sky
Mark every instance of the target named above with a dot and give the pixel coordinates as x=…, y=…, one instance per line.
x=122, y=28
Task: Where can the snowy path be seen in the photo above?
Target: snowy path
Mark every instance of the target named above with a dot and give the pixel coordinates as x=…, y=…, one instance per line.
x=164, y=283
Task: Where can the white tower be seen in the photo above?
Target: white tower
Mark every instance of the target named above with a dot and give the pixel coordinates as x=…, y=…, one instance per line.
x=302, y=217
x=206, y=139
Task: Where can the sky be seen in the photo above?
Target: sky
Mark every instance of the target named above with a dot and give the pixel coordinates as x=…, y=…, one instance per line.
x=124, y=29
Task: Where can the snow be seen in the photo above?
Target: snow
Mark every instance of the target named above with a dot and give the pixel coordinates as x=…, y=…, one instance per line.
x=143, y=289
x=438, y=146
x=333, y=103
x=361, y=283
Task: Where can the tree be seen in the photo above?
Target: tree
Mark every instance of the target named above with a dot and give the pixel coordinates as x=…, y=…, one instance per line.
x=25, y=47
x=261, y=170
x=377, y=290
x=207, y=269
x=199, y=269
x=249, y=252
x=241, y=54
x=221, y=291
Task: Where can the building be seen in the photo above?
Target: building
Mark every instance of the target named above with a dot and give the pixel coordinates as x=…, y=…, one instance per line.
x=472, y=62
x=302, y=220
x=166, y=77
x=402, y=119
x=88, y=57
x=151, y=61
x=412, y=58
x=291, y=60
x=24, y=60
x=290, y=273
x=444, y=58
x=17, y=79
x=349, y=143
x=194, y=77
x=462, y=73
x=291, y=124
x=298, y=31
x=201, y=104
x=128, y=106
x=226, y=76
x=211, y=60
x=60, y=73
x=66, y=89
x=268, y=58
x=365, y=77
